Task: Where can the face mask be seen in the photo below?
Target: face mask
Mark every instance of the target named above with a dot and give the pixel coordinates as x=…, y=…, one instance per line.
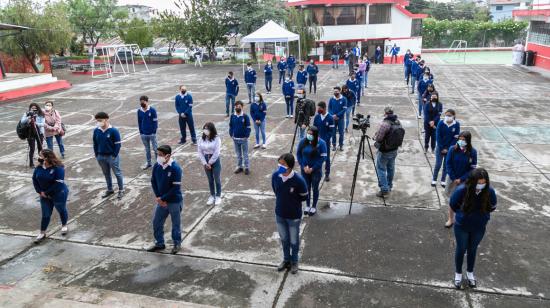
x=183, y=92
x=300, y=95
x=99, y=123
x=257, y=99
x=33, y=110
x=161, y=160
x=206, y=132
x=336, y=94
x=229, y=76
x=311, y=62
x=287, y=80
x=269, y=63
x=281, y=169
x=249, y=68
x=462, y=143
x=448, y=119
x=480, y=186
x=309, y=137
x=143, y=105
x=40, y=160
x=426, y=78
x=48, y=108
x=321, y=111
x=238, y=110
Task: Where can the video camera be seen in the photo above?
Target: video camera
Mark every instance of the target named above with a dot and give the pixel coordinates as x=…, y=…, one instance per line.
x=362, y=123
x=32, y=114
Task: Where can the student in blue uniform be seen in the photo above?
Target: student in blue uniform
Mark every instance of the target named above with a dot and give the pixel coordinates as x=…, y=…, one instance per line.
x=337, y=107
x=107, y=144
x=446, y=136
x=407, y=61
x=148, y=124
x=291, y=64
x=250, y=80
x=414, y=72
x=350, y=97
x=48, y=180
x=422, y=87
x=312, y=153
x=231, y=92
x=288, y=93
x=325, y=124
x=394, y=52
x=290, y=191
x=365, y=79
x=239, y=130
x=461, y=159
x=432, y=115
x=184, y=108
x=359, y=78
x=281, y=67
x=312, y=71
x=473, y=203
x=166, y=182
x=268, y=71
x=427, y=95
x=258, y=112
x=301, y=77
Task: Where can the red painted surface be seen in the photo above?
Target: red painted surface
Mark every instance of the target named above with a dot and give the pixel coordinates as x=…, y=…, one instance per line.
x=545, y=12
x=387, y=59
x=411, y=15
x=1, y=74
x=22, y=65
x=175, y=61
x=542, y=59
x=337, y=2
x=40, y=89
x=89, y=72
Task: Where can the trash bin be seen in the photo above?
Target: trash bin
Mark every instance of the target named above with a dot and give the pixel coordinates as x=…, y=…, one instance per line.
x=530, y=58
x=524, y=58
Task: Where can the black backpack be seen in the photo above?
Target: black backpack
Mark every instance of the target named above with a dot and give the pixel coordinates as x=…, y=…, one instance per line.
x=22, y=130
x=394, y=137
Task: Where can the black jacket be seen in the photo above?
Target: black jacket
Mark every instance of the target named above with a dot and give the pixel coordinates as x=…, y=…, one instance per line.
x=305, y=109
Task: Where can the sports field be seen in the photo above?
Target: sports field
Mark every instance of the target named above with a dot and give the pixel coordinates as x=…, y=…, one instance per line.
x=481, y=57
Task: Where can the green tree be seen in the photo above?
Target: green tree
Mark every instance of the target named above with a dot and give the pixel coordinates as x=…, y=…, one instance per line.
x=171, y=28
x=95, y=19
x=302, y=23
x=49, y=32
x=136, y=31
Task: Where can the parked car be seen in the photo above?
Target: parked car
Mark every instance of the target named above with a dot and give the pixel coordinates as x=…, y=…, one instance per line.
x=181, y=53
x=163, y=51
x=149, y=51
x=222, y=53
x=58, y=62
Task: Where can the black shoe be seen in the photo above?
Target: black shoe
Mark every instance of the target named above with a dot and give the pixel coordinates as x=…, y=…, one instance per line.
x=327, y=178
x=147, y=166
x=31, y=165
x=194, y=143
x=246, y=171
x=107, y=193
x=472, y=283
x=238, y=170
x=62, y=155
x=182, y=142
x=341, y=148
x=175, y=249
x=284, y=265
x=156, y=248
x=120, y=194
x=382, y=194
x=294, y=268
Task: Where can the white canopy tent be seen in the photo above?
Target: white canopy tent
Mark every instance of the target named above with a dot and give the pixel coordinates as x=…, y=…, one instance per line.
x=271, y=32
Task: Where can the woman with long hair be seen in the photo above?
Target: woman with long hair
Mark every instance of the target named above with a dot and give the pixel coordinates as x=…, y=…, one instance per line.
x=34, y=117
x=258, y=111
x=53, y=127
x=312, y=152
x=473, y=203
x=49, y=182
x=209, y=147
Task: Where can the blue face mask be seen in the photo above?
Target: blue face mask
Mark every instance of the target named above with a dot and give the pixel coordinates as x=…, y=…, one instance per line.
x=309, y=137
x=461, y=143
x=281, y=169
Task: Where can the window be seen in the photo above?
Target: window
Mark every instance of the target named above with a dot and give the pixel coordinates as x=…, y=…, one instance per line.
x=380, y=14
x=416, y=27
x=498, y=8
x=339, y=15
x=539, y=33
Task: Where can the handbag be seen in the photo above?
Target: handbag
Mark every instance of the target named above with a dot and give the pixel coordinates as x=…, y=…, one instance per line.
x=63, y=130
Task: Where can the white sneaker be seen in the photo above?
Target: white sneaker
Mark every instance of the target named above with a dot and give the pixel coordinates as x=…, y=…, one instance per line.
x=39, y=238
x=64, y=230
x=218, y=201
x=419, y=117
x=443, y=184
x=434, y=183
x=256, y=146
x=306, y=210
x=211, y=200
x=291, y=116
x=264, y=147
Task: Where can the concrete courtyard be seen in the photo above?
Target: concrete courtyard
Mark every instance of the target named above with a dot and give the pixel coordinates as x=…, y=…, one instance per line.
x=379, y=256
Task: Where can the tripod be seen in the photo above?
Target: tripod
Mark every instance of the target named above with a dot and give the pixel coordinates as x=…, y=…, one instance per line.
x=361, y=153
x=298, y=117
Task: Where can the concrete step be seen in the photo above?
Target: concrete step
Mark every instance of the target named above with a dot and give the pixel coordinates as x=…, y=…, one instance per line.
x=19, y=81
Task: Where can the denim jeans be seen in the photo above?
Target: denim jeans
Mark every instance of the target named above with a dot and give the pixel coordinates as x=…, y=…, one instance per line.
x=268, y=82
x=289, y=105
x=159, y=217
x=466, y=241
x=214, y=178
x=301, y=133
x=335, y=59
x=47, y=206
x=429, y=136
x=229, y=100
x=59, y=139
x=313, y=82
x=290, y=72
x=348, y=116
x=108, y=163
x=312, y=181
x=365, y=82
x=241, y=149
x=251, y=89
x=184, y=122
x=440, y=159
x=420, y=103
x=413, y=83
x=289, y=232
x=385, y=166
x=281, y=76
x=338, y=126
x=260, y=128
x=148, y=141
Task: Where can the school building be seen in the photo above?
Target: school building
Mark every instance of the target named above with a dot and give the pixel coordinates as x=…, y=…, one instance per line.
x=367, y=23
x=538, y=35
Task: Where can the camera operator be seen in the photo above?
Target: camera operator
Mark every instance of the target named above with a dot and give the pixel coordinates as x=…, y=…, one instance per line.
x=34, y=118
x=305, y=109
x=389, y=138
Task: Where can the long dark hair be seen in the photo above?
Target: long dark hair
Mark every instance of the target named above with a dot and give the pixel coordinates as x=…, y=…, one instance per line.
x=51, y=158
x=468, y=136
x=260, y=96
x=313, y=143
x=469, y=197
x=213, y=132
x=40, y=112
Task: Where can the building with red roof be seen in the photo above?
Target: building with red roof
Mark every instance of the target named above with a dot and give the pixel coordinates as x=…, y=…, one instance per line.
x=538, y=36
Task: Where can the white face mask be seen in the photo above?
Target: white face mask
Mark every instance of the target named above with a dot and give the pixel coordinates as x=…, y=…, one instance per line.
x=448, y=119
x=480, y=186
x=206, y=132
x=161, y=160
x=100, y=124
x=48, y=108
x=287, y=80
x=426, y=78
x=249, y=68
x=257, y=99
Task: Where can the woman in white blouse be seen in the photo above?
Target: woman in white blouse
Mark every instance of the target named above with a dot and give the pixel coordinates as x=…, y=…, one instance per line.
x=209, y=154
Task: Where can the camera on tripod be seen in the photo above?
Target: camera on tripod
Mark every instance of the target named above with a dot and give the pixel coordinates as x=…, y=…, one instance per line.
x=362, y=122
x=32, y=114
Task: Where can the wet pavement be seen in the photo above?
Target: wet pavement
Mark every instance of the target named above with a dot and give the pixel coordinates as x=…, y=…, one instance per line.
x=398, y=255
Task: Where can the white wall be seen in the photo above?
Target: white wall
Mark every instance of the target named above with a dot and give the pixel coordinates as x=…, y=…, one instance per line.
x=401, y=23
x=414, y=44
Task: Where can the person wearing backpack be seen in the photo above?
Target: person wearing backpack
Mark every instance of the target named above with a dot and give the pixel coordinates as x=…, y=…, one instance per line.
x=31, y=127
x=389, y=138
x=53, y=128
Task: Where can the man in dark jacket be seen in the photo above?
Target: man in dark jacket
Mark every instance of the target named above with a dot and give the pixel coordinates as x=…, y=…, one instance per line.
x=305, y=109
